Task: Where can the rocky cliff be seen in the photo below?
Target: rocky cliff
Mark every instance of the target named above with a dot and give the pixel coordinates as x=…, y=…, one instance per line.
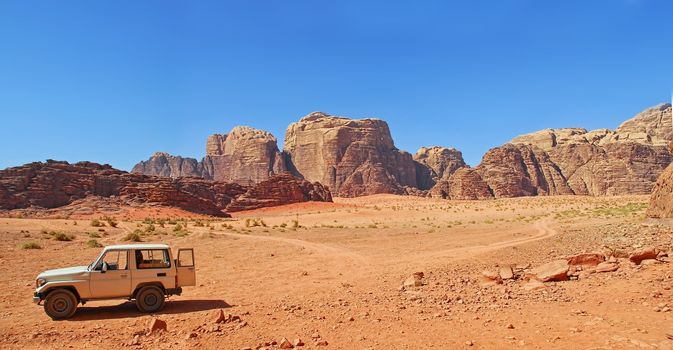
x=627, y=160
x=435, y=164
x=54, y=184
x=351, y=157
x=166, y=165
x=245, y=155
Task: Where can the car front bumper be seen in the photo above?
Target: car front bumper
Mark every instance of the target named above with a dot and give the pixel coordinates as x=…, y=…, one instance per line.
x=37, y=298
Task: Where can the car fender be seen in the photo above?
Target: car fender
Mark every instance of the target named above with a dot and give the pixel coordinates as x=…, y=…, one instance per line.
x=79, y=287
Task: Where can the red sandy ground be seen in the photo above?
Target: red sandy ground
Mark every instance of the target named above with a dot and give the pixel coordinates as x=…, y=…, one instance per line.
x=338, y=276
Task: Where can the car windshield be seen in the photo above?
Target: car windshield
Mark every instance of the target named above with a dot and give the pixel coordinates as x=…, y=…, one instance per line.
x=91, y=266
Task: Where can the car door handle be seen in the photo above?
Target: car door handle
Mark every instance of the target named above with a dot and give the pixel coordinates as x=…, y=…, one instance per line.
x=162, y=274
x=123, y=276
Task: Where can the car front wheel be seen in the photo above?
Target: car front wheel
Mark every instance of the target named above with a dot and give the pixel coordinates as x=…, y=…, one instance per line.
x=60, y=304
x=150, y=299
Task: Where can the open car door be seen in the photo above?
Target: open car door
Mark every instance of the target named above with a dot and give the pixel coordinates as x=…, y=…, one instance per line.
x=186, y=268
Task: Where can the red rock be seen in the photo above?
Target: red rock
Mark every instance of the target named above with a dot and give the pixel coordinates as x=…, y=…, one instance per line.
x=533, y=285
x=298, y=342
x=156, y=325
x=552, y=271
x=351, y=157
x=639, y=255
x=606, y=267
x=321, y=343
x=55, y=184
x=586, y=259
x=506, y=272
x=285, y=344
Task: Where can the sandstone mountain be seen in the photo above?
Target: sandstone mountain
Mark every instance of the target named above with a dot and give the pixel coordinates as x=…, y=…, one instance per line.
x=358, y=157
x=351, y=157
x=436, y=163
x=661, y=200
x=246, y=156
x=627, y=160
x=166, y=165
x=54, y=184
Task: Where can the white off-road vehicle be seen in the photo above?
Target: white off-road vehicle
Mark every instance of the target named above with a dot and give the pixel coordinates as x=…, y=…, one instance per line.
x=144, y=272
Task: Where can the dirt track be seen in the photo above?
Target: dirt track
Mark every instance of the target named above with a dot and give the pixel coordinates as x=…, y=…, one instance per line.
x=338, y=276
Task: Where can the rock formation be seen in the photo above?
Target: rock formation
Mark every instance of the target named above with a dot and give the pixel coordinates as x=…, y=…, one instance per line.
x=661, y=200
x=436, y=163
x=245, y=156
x=627, y=160
x=351, y=157
x=54, y=184
x=166, y=165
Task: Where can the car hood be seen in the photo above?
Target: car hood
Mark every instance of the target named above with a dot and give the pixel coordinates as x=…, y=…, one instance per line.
x=76, y=272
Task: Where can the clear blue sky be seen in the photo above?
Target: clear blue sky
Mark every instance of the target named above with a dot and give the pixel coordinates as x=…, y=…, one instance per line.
x=114, y=81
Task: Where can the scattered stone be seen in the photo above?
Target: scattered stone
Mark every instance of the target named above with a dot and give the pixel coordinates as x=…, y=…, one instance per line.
x=136, y=340
x=191, y=335
x=556, y=270
x=606, y=267
x=586, y=259
x=285, y=344
x=298, y=342
x=321, y=343
x=639, y=255
x=506, y=272
x=415, y=280
x=156, y=325
x=469, y=343
x=533, y=285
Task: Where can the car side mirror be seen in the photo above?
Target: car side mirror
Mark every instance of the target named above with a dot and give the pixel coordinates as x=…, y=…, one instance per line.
x=103, y=268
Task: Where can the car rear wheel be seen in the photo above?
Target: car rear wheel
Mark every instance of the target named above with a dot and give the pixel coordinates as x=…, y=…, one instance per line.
x=60, y=304
x=150, y=299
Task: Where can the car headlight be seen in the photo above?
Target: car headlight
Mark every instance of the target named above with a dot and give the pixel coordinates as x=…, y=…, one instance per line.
x=40, y=282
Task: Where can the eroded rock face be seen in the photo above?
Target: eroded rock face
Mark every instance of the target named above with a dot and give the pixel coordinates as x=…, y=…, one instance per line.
x=464, y=184
x=436, y=163
x=627, y=160
x=245, y=156
x=351, y=157
x=54, y=184
x=166, y=165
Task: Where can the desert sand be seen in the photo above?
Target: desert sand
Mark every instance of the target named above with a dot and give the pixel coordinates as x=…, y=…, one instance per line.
x=332, y=275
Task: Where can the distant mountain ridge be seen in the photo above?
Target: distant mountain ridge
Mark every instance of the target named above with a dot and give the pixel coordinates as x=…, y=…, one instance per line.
x=355, y=157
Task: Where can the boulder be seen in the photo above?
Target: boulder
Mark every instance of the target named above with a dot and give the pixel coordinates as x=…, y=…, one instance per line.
x=156, y=325
x=606, y=267
x=556, y=270
x=506, y=272
x=645, y=253
x=415, y=280
x=586, y=259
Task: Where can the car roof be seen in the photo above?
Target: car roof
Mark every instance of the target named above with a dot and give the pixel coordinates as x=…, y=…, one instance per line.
x=137, y=246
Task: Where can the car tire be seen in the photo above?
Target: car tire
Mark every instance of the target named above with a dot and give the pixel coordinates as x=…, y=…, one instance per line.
x=150, y=299
x=60, y=304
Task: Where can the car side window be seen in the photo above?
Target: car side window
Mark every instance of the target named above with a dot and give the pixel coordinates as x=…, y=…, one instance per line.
x=115, y=260
x=152, y=259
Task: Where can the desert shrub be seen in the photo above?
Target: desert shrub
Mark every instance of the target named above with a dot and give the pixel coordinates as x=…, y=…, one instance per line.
x=177, y=228
x=132, y=237
x=93, y=234
x=97, y=223
x=30, y=245
x=199, y=223
x=92, y=243
x=148, y=221
x=110, y=221
x=150, y=228
x=62, y=237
